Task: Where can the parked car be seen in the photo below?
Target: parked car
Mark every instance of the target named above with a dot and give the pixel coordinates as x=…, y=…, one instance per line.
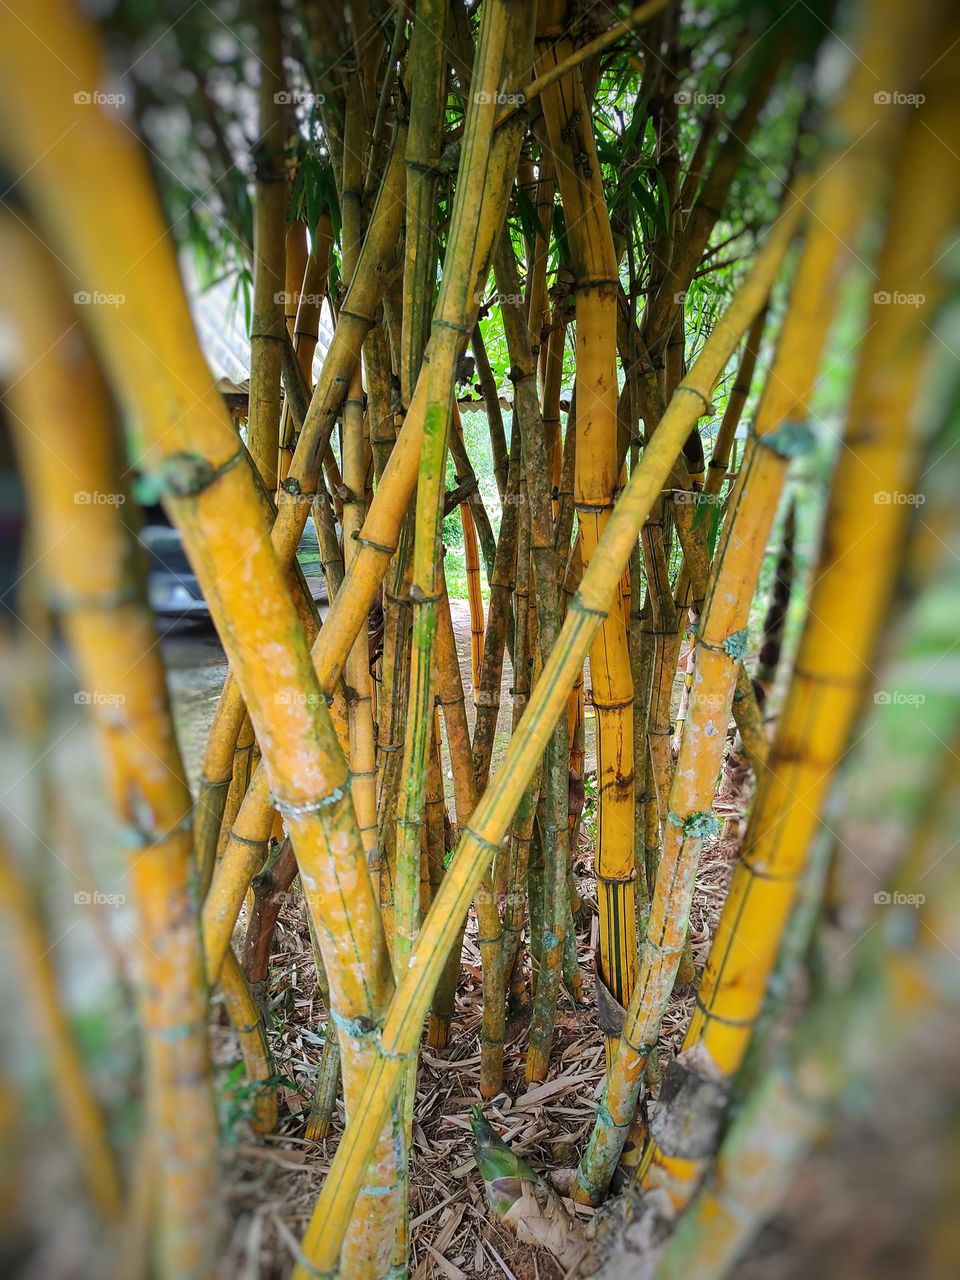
x=172, y=586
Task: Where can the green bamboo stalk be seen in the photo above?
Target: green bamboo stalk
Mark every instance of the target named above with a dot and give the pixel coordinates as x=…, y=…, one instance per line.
x=546, y=572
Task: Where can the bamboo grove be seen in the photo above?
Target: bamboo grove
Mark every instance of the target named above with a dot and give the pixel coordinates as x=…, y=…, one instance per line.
x=628, y=238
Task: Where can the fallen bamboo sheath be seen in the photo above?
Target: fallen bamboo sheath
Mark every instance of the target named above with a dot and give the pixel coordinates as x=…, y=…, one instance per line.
x=481, y=840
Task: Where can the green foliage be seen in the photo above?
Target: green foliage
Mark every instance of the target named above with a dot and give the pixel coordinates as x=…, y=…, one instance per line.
x=314, y=191
x=236, y=1098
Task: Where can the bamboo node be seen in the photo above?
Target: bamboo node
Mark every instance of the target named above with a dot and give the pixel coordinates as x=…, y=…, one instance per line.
x=289, y=810
x=466, y=330
x=359, y=1028
x=708, y=408
x=580, y=605
x=381, y=547
x=493, y=845
x=710, y=1015
x=186, y=474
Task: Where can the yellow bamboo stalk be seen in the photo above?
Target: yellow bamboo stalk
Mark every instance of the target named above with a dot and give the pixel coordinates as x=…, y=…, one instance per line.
x=864, y=529
x=193, y=456
x=296, y=257
x=110, y=629
x=268, y=327
x=82, y=1115
x=686, y=819
x=895, y=986
x=450, y=698
x=304, y=328
x=357, y=462
x=454, y=318
x=355, y=316
x=733, y=410
x=546, y=568
x=746, y=710
x=248, y=1026
x=571, y=138
x=427, y=77
x=481, y=839
x=475, y=596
